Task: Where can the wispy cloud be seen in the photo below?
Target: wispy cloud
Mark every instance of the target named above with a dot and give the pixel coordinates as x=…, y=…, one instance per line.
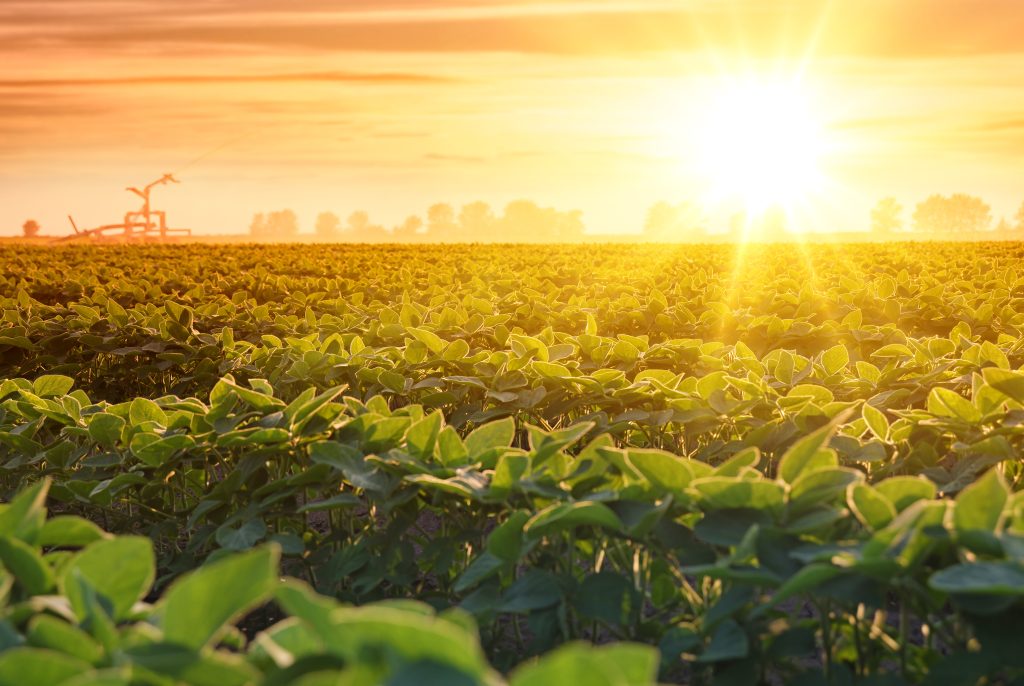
x=186, y=79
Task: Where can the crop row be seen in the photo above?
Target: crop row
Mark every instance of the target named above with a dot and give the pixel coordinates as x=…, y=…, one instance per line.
x=547, y=536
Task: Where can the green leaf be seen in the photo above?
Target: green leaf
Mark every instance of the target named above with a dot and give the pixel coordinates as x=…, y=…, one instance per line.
x=731, y=492
x=38, y=667
x=70, y=531
x=51, y=385
x=242, y=537
x=490, y=436
x=979, y=507
x=120, y=570
x=1009, y=383
x=990, y=578
x=434, y=343
x=24, y=516
x=835, y=358
x=808, y=453
x=728, y=642
x=876, y=421
x=943, y=402
x=145, y=410
x=606, y=596
x=534, y=590
x=506, y=541
x=562, y=516
x=106, y=429
x=422, y=436
x=198, y=605
x=27, y=566
x=665, y=470
x=873, y=509
x=46, y=631
x=903, y=491
x=615, y=664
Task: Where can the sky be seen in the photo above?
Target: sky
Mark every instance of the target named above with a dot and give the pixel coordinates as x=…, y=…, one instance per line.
x=601, y=106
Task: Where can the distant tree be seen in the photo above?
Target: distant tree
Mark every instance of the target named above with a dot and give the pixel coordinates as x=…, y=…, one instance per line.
x=441, y=221
x=1003, y=226
x=358, y=221
x=328, y=225
x=666, y=221
x=524, y=220
x=774, y=224
x=258, y=226
x=661, y=218
x=30, y=228
x=958, y=213
x=477, y=221
x=282, y=224
x=1019, y=218
x=408, y=230
x=886, y=216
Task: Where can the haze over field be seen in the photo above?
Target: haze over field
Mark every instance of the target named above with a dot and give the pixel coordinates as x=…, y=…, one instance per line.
x=607, y=107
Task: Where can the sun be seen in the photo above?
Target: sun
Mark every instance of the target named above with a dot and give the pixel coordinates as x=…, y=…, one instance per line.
x=759, y=143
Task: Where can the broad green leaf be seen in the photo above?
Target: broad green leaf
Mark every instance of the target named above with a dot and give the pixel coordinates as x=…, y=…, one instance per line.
x=617, y=664
x=38, y=667
x=808, y=453
x=145, y=410
x=46, y=631
x=489, y=436
x=241, y=537
x=51, y=385
x=728, y=642
x=835, y=358
x=562, y=516
x=665, y=470
x=430, y=339
x=731, y=492
x=106, y=429
x=198, y=605
x=1009, y=383
x=989, y=578
x=903, y=491
x=979, y=507
x=70, y=531
x=873, y=509
x=120, y=570
x=876, y=421
x=27, y=566
x=24, y=516
x=422, y=435
x=946, y=403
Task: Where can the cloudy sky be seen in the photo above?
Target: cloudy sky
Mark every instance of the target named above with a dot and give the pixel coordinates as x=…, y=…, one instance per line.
x=390, y=105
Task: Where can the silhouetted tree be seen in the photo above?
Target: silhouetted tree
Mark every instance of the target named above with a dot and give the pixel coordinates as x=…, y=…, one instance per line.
x=258, y=226
x=441, y=221
x=666, y=221
x=328, y=225
x=30, y=228
x=524, y=220
x=886, y=216
x=476, y=221
x=358, y=221
x=774, y=224
x=408, y=230
x=958, y=213
x=282, y=224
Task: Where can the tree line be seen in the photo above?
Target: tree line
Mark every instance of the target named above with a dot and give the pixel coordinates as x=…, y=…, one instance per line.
x=520, y=221
x=952, y=214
